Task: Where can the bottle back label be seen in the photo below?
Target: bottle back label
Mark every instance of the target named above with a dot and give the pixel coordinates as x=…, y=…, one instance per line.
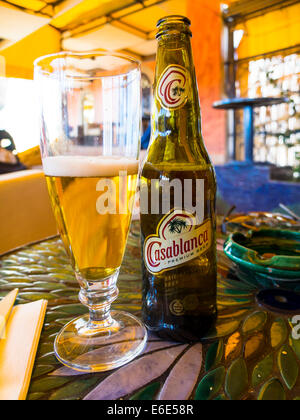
x=173, y=87
x=178, y=240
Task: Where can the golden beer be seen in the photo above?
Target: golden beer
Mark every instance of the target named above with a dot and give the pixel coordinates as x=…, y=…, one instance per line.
x=90, y=159
x=92, y=198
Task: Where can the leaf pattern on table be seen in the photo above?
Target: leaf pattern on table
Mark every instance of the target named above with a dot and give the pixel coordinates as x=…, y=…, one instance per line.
x=79, y=387
x=222, y=329
x=214, y=355
x=233, y=347
x=272, y=391
x=288, y=366
x=42, y=270
x=279, y=333
x=184, y=376
x=254, y=322
x=295, y=344
x=236, y=379
x=210, y=385
x=135, y=375
x=262, y=370
x=254, y=346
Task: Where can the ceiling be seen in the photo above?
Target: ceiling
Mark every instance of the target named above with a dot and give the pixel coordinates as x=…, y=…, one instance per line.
x=118, y=25
x=241, y=10
x=42, y=7
x=16, y=25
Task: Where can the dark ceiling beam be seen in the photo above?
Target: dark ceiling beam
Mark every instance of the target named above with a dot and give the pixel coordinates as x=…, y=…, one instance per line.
x=79, y=29
x=52, y=5
x=26, y=10
x=76, y=26
x=83, y=29
x=244, y=9
x=129, y=28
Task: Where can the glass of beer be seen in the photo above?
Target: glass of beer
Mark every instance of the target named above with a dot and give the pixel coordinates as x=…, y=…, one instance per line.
x=90, y=142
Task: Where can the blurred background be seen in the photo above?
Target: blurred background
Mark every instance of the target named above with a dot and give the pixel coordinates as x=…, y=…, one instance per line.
x=247, y=57
x=242, y=49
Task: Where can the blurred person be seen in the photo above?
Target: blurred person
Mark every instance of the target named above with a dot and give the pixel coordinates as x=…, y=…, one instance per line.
x=9, y=162
x=146, y=138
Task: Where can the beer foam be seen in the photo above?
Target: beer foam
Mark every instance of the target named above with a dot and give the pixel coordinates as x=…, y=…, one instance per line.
x=89, y=166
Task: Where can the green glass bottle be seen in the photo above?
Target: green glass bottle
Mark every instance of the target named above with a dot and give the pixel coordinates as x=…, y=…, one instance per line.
x=178, y=195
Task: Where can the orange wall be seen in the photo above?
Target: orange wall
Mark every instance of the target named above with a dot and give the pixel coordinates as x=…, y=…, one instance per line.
x=207, y=33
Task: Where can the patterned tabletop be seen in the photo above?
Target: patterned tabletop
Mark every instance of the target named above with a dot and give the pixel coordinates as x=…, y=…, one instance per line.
x=250, y=354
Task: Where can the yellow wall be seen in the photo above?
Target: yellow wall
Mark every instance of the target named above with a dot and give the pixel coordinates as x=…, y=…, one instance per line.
x=21, y=55
x=276, y=30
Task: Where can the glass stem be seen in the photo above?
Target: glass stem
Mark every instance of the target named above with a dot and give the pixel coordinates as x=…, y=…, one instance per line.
x=98, y=296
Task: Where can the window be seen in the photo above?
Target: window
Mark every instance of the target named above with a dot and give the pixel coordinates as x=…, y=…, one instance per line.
x=19, y=112
x=278, y=127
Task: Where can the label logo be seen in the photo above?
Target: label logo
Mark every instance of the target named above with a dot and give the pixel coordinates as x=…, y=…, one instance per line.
x=173, y=87
x=176, y=308
x=178, y=239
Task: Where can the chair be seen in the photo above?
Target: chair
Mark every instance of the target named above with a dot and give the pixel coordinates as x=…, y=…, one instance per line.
x=25, y=211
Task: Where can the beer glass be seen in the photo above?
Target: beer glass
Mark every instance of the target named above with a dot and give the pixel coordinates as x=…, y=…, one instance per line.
x=90, y=141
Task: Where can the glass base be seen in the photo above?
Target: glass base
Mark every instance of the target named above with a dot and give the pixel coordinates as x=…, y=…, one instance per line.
x=90, y=349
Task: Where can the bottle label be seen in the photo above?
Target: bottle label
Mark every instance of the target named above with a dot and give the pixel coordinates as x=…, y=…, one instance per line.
x=173, y=87
x=178, y=239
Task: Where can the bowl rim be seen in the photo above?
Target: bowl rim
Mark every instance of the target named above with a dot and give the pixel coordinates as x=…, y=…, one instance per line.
x=251, y=258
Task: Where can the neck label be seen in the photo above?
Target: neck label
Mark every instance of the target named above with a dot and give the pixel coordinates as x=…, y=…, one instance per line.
x=173, y=87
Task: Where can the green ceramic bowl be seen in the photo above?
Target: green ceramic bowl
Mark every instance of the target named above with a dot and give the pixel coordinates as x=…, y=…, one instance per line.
x=266, y=257
x=259, y=220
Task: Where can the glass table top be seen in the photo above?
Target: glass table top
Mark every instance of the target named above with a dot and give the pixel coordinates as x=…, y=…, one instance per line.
x=252, y=353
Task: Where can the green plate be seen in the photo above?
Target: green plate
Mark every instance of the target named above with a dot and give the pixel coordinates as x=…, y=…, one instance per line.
x=268, y=257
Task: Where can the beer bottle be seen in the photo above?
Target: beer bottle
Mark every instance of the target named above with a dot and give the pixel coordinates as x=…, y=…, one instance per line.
x=178, y=195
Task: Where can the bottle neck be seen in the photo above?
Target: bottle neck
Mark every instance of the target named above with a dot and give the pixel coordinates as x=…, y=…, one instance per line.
x=176, y=50
x=176, y=114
